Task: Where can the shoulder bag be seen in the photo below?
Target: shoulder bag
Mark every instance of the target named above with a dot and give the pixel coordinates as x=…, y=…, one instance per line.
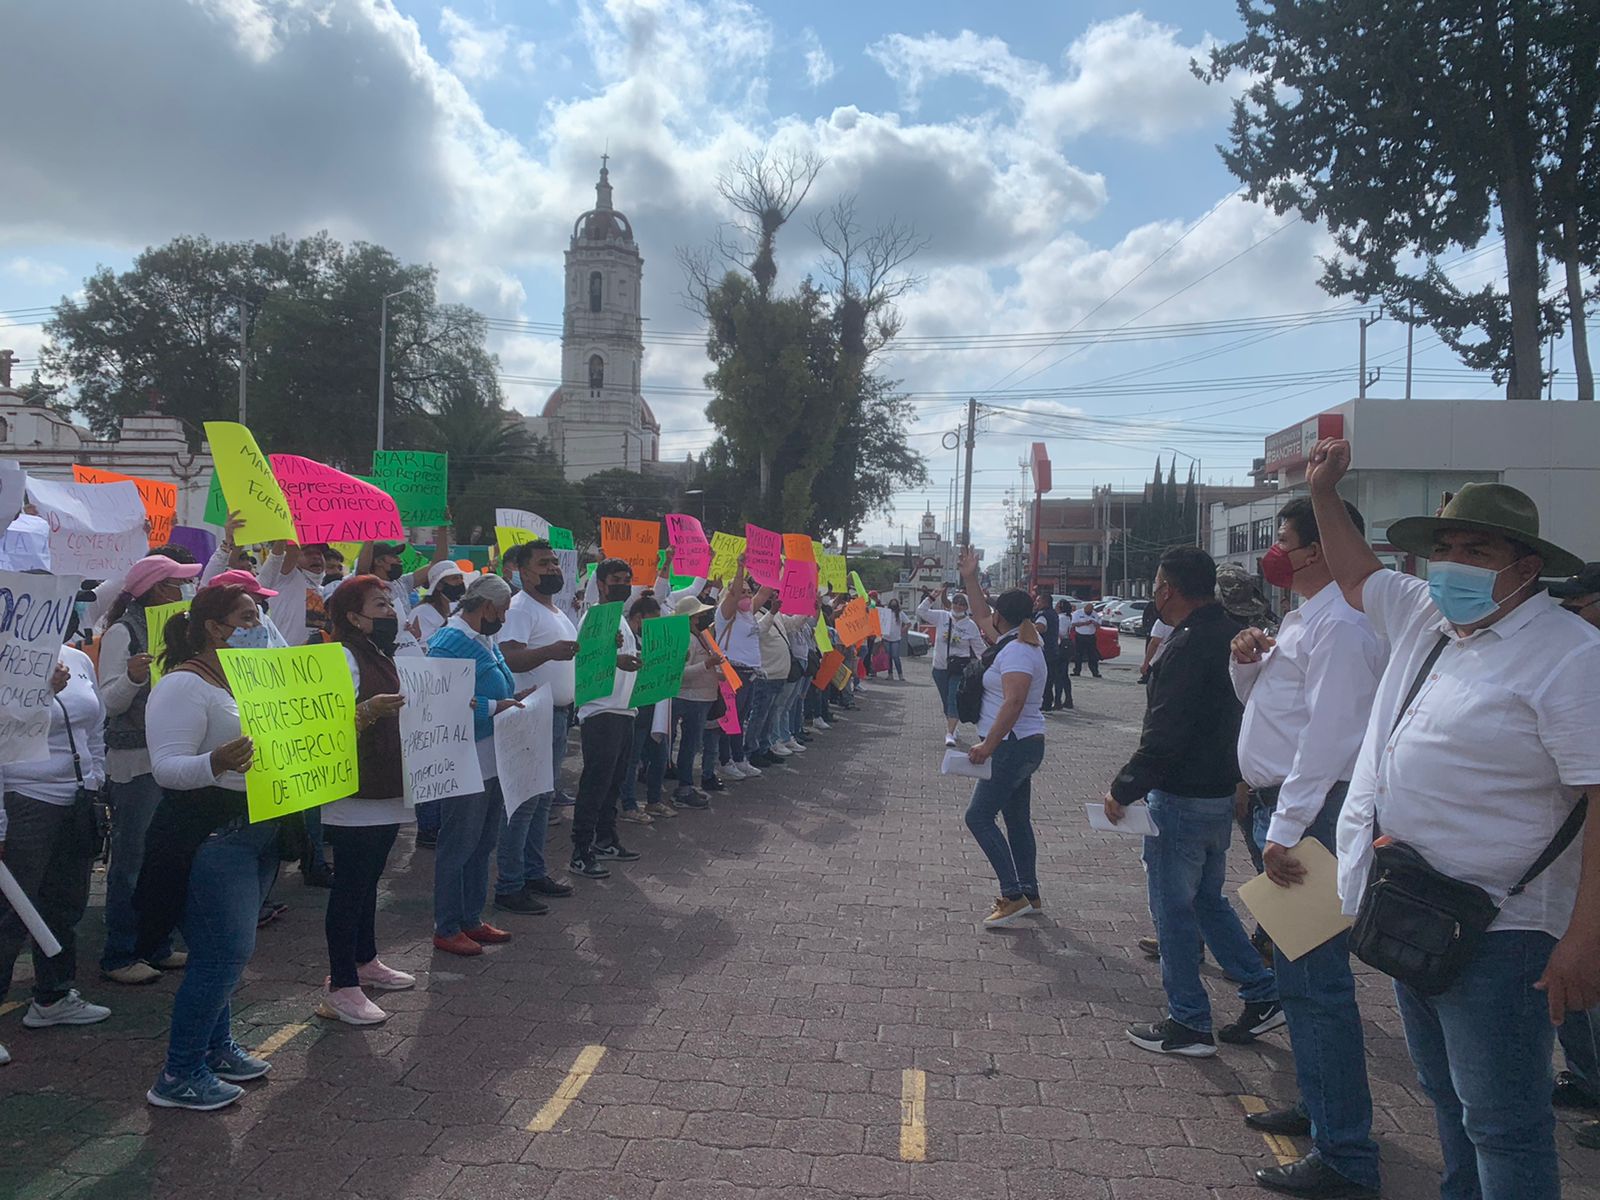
x=1419, y=925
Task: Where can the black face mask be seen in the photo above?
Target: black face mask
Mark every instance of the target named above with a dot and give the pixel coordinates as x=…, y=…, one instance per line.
x=384, y=632
x=330, y=578
x=618, y=592
x=452, y=591
x=550, y=585
x=489, y=628
x=394, y=572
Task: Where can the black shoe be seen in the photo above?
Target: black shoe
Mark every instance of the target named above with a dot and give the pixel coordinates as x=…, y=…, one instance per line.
x=713, y=785
x=1288, y=1122
x=764, y=759
x=521, y=902
x=427, y=840
x=1169, y=1037
x=1047, y=708
x=547, y=887
x=1261, y=1017
x=803, y=737
x=616, y=852
x=690, y=800
x=1570, y=1092
x=316, y=874
x=1314, y=1178
x=589, y=868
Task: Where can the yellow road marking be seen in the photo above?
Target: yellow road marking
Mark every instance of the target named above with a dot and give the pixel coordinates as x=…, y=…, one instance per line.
x=1282, y=1148
x=280, y=1039
x=913, y=1115
x=12, y=1007
x=545, y=1119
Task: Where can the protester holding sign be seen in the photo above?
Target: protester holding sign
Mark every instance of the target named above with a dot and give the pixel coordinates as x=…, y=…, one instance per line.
x=47, y=826
x=699, y=691
x=206, y=866
x=125, y=682
x=540, y=643
x=740, y=639
x=663, y=649
x=471, y=823
x=361, y=829
x=446, y=586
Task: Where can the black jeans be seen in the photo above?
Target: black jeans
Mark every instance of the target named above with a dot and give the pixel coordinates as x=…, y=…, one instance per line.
x=48, y=849
x=360, y=853
x=607, y=740
x=1085, y=649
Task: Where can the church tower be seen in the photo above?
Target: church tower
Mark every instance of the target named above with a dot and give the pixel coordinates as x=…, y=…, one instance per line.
x=597, y=419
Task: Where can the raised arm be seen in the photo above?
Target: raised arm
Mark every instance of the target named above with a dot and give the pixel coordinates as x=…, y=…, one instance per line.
x=977, y=602
x=1349, y=556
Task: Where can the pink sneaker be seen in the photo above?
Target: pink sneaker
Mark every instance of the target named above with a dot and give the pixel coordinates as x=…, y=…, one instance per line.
x=351, y=1006
x=384, y=979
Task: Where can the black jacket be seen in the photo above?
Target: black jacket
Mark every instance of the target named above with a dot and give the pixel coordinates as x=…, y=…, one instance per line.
x=1191, y=725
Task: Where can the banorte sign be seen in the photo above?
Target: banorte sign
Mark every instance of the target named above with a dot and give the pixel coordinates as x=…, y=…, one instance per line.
x=1293, y=446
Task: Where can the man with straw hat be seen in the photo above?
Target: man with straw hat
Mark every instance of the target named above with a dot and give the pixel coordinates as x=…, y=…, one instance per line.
x=1478, y=755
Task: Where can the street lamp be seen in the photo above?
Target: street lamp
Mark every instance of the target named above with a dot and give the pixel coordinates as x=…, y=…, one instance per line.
x=383, y=356
x=1199, y=504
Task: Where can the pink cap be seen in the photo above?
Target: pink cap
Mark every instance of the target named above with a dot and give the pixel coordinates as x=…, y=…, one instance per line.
x=240, y=579
x=157, y=568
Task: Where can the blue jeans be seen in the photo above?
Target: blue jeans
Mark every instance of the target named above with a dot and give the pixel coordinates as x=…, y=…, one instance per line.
x=949, y=684
x=228, y=882
x=894, y=659
x=1580, y=1045
x=780, y=726
x=763, y=693
x=1482, y=1052
x=1318, y=992
x=1008, y=792
x=520, y=856
x=690, y=718
x=467, y=837
x=132, y=805
x=1185, y=868
x=429, y=816
x=652, y=754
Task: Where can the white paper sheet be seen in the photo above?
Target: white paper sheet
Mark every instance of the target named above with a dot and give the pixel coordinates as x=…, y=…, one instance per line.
x=1135, y=821
x=13, y=482
x=956, y=762
x=34, y=613
x=96, y=529
x=522, y=750
x=437, y=742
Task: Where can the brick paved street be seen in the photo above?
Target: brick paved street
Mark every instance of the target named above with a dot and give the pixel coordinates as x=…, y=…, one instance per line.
x=792, y=992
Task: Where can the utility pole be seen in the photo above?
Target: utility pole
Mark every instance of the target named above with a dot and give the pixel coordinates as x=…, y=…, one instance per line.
x=966, y=487
x=1364, y=322
x=244, y=354
x=1122, y=591
x=383, y=358
x=1411, y=334
x=1105, y=533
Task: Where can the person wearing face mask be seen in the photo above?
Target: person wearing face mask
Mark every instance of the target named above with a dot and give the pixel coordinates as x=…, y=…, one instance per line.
x=1480, y=755
x=470, y=825
x=540, y=643
x=207, y=867
x=383, y=559
x=1186, y=769
x=956, y=642
x=736, y=632
x=134, y=793
x=295, y=573
x=702, y=678
x=332, y=568
x=362, y=828
x=890, y=621
x=446, y=586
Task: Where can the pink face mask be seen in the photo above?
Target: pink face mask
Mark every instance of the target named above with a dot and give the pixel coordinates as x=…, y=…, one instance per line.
x=746, y=605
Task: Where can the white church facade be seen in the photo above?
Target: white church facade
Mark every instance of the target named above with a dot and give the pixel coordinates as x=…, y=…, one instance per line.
x=598, y=419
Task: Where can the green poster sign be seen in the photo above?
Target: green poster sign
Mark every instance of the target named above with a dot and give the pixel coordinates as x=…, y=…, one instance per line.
x=216, y=503
x=418, y=481
x=596, y=663
x=665, y=645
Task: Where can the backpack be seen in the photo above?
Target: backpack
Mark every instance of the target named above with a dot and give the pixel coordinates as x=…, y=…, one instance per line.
x=969, y=697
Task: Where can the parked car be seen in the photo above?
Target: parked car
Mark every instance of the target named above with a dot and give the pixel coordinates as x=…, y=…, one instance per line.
x=1131, y=618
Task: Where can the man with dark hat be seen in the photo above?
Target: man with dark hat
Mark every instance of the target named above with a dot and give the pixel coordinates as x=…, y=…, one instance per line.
x=1478, y=756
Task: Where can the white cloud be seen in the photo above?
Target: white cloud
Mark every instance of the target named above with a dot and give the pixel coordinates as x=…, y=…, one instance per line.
x=476, y=51
x=1128, y=76
x=819, y=64
x=35, y=271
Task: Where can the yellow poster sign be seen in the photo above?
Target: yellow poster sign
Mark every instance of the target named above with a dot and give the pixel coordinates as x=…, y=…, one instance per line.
x=507, y=536
x=249, y=484
x=156, y=617
x=725, y=551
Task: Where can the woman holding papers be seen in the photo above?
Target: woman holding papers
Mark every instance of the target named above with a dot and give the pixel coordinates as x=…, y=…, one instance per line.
x=361, y=830
x=206, y=866
x=956, y=643
x=1012, y=728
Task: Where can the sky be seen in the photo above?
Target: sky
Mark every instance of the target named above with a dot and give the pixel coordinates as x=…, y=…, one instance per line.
x=1091, y=273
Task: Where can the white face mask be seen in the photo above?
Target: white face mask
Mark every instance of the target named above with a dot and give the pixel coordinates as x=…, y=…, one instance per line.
x=187, y=590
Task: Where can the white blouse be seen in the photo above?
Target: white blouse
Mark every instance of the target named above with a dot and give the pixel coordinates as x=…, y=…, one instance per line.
x=356, y=810
x=185, y=720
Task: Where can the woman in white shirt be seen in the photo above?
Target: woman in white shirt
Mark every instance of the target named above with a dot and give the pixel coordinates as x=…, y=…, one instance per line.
x=47, y=833
x=957, y=641
x=1012, y=729
x=206, y=866
x=361, y=829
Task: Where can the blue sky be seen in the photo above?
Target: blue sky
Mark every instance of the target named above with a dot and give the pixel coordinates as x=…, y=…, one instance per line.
x=1059, y=158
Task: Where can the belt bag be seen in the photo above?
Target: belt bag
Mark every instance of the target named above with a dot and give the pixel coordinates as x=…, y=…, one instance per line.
x=1421, y=926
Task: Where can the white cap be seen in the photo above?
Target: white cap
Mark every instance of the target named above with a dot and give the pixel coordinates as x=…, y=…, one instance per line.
x=440, y=571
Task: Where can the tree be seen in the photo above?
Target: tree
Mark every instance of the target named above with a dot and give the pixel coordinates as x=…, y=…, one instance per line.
x=620, y=493
x=1408, y=129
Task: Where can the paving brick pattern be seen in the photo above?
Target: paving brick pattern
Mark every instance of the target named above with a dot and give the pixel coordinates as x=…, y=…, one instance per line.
x=760, y=981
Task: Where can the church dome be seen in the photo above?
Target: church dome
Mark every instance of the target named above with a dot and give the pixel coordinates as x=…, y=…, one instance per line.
x=602, y=223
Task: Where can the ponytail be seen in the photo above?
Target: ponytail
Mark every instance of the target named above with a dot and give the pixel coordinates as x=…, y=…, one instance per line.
x=1028, y=634
x=186, y=631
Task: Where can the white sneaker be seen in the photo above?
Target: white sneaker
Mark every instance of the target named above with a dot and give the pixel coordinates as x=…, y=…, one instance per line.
x=949, y=739
x=781, y=750
x=751, y=771
x=819, y=723
x=732, y=770
x=71, y=1009
x=794, y=746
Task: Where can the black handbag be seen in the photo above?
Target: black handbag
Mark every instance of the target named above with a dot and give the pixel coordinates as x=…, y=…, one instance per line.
x=91, y=813
x=969, y=694
x=1419, y=925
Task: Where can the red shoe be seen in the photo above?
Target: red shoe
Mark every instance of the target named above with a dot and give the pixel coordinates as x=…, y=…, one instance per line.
x=457, y=943
x=488, y=935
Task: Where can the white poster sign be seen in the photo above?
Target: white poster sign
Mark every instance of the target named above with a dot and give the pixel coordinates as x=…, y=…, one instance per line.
x=13, y=482
x=521, y=518
x=25, y=544
x=522, y=750
x=34, y=612
x=565, y=599
x=96, y=529
x=437, y=743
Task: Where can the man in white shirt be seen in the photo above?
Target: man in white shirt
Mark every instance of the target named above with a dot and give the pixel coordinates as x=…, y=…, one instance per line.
x=1480, y=743
x=1306, y=696
x=1085, y=641
x=539, y=642
x=298, y=610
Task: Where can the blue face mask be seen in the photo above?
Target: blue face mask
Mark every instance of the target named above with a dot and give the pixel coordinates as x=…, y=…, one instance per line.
x=1464, y=594
x=254, y=637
